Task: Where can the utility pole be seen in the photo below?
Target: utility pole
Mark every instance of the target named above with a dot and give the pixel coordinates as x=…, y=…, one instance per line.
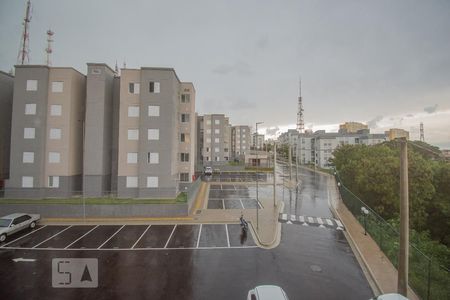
x=296, y=164
x=274, y=174
x=257, y=166
x=403, y=266
x=290, y=162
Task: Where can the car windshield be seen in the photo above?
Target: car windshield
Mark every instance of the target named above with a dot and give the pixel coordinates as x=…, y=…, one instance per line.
x=5, y=222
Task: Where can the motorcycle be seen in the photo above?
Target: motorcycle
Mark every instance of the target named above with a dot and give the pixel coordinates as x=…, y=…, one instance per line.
x=244, y=224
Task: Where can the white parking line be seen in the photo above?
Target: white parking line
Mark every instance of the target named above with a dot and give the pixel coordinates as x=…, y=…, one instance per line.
x=310, y=220
x=301, y=219
x=223, y=204
x=242, y=204
x=293, y=218
x=170, y=236
x=338, y=223
x=132, y=247
x=129, y=249
x=52, y=236
x=329, y=222
x=319, y=220
x=80, y=237
x=199, y=234
x=228, y=236
x=111, y=236
x=33, y=231
x=284, y=217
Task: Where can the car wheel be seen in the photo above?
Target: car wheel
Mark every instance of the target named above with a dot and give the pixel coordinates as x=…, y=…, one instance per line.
x=32, y=225
x=2, y=237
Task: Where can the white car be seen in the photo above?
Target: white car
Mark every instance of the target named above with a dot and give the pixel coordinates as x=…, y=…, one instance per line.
x=267, y=292
x=16, y=222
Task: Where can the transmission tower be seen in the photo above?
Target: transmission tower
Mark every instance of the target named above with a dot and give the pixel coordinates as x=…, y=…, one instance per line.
x=300, y=120
x=24, y=50
x=49, y=49
x=422, y=135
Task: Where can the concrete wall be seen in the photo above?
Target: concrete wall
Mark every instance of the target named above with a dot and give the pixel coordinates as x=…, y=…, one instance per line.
x=6, y=100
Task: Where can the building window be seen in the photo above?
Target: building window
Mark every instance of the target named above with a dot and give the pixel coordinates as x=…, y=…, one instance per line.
x=153, y=111
x=207, y=158
x=55, y=110
x=185, y=98
x=132, y=158
x=153, y=158
x=29, y=133
x=216, y=149
x=154, y=87
x=53, y=181
x=32, y=85
x=208, y=122
x=185, y=138
x=30, y=109
x=133, y=111
x=216, y=140
x=96, y=71
x=184, y=177
x=184, y=157
x=133, y=88
x=216, y=158
x=57, y=86
x=55, y=134
x=132, y=182
x=216, y=131
x=185, y=118
x=28, y=157
x=27, y=181
x=54, y=157
x=153, y=134
x=225, y=149
x=133, y=134
x=217, y=122
x=207, y=149
x=208, y=140
x=152, y=182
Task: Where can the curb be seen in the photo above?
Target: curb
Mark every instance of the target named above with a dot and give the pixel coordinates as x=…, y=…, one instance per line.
x=271, y=244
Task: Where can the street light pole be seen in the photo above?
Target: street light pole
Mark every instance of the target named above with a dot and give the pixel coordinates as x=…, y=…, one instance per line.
x=274, y=173
x=403, y=266
x=257, y=165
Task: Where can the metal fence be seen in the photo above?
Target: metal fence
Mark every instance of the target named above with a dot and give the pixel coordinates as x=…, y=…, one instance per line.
x=426, y=277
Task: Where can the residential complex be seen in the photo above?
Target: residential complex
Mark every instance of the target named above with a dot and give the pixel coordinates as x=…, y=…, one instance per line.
x=395, y=133
x=240, y=141
x=6, y=98
x=352, y=127
x=257, y=141
x=214, y=139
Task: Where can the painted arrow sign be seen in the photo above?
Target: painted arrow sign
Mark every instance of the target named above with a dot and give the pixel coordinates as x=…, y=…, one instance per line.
x=23, y=259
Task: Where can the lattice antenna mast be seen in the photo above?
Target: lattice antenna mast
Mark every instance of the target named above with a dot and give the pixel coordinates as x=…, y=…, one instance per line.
x=422, y=135
x=49, y=49
x=24, y=50
x=300, y=120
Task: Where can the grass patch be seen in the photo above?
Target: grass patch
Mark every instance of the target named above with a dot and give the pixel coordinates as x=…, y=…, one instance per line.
x=181, y=198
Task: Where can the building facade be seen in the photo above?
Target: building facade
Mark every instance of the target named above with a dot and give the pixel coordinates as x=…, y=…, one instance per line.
x=395, y=133
x=216, y=141
x=47, y=132
x=240, y=141
x=352, y=127
x=6, y=100
x=257, y=141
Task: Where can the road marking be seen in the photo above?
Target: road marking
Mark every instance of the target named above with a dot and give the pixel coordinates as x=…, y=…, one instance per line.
x=132, y=247
x=284, y=217
x=338, y=223
x=32, y=231
x=301, y=219
x=319, y=220
x=128, y=249
x=305, y=224
x=52, y=236
x=228, y=236
x=310, y=220
x=242, y=204
x=289, y=222
x=24, y=259
x=199, y=235
x=223, y=203
x=293, y=218
x=80, y=237
x=170, y=236
x=329, y=222
x=111, y=236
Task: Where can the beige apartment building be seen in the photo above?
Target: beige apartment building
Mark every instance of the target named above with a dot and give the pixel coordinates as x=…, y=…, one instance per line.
x=352, y=127
x=47, y=132
x=395, y=133
x=240, y=141
x=215, y=143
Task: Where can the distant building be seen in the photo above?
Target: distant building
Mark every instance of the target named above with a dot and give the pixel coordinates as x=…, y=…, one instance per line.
x=446, y=154
x=395, y=133
x=6, y=100
x=215, y=140
x=317, y=148
x=256, y=158
x=257, y=141
x=352, y=127
x=289, y=137
x=240, y=140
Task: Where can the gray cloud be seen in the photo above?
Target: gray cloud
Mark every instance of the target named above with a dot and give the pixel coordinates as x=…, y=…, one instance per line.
x=374, y=122
x=272, y=130
x=431, y=109
x=239, y=67
x=262, y=42
x=240, y=104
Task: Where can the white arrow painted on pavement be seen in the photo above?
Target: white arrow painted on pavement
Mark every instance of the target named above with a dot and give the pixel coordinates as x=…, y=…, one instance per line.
x=288, y=222
x=24, y=259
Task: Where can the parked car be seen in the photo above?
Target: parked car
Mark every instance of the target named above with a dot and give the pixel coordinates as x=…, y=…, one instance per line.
x=391, y=296
x=16, y=222
x=267, y=292
x=208, y=171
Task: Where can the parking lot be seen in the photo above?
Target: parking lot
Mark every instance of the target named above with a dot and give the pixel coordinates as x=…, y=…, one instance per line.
x=130, y=237
x=232, y=196
x=239, y=177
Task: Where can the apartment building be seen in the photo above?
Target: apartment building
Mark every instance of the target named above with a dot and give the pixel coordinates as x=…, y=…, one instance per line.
x=240, y=141
x=46, y=132
x=6, y=99
x=352, y=127
x=395, y=133
x=155, y=134
x=318, y=147
x=216, y=145
x=257, y=141
x=101, y=128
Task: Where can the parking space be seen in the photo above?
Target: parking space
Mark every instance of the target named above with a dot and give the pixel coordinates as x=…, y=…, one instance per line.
x=130, y=237
x=232, y=196
x=240, y=177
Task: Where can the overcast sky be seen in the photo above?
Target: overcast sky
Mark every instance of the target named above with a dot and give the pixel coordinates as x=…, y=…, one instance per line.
x=382, y=62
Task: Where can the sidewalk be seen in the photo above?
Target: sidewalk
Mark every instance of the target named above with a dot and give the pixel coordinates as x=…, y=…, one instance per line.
x=382, y=275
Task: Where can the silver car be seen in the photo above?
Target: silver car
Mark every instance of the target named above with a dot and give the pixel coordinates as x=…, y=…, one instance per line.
x=16, y=222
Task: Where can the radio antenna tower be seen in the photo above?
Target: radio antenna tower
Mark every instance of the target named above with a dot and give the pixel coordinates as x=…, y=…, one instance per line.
x=24, y=50
x=300, y=120
x=422, y=136
x=49, y=49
